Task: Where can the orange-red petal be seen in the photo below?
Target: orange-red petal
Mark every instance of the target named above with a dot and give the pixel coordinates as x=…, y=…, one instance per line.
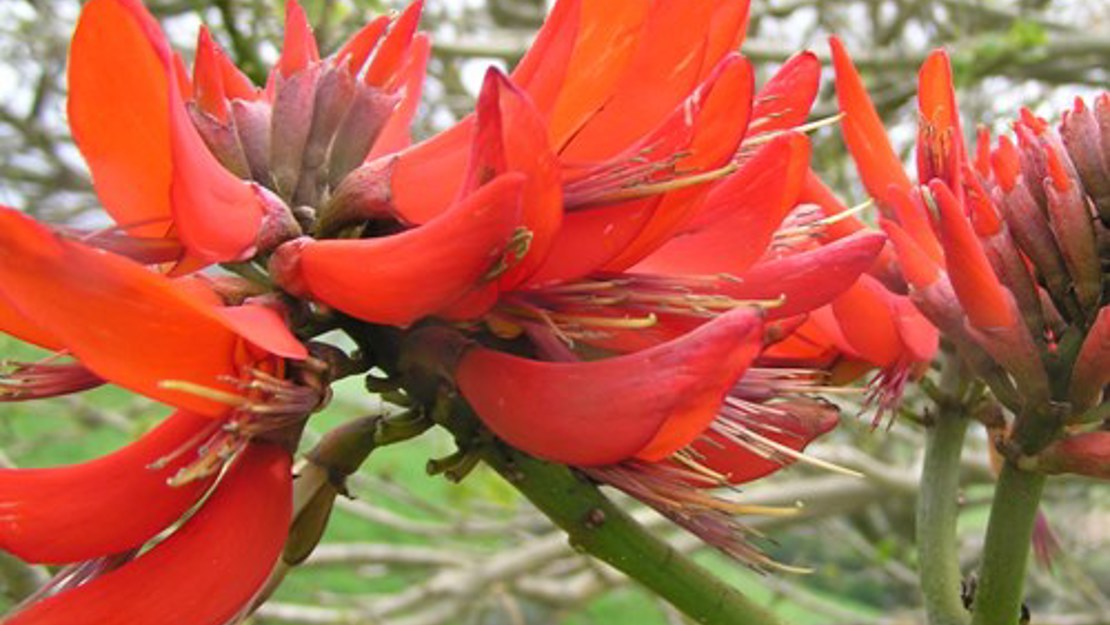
x=125, y=323
x=400, y=278
x=647, y=404
x=206, y=571
x=863, y=130
x=84, y=511
x=740, y=215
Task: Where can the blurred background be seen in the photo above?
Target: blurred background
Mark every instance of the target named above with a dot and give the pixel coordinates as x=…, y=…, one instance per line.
x=416, y=550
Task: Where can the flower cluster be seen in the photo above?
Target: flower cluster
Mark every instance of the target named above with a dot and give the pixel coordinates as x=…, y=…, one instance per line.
x=621, y=260
x=1005, y=250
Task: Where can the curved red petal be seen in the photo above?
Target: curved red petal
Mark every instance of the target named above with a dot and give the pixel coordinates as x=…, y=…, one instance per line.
x=666, y=67
x=118, y=109
x=785, y=101
x=127, y=324
x=716, y=115
x=400, y=278
x=1092, y=365
x=265, y=328
x=865, y=316
x=390, y=55
x=809, y=279
x=13, y=322
x=299, y=49
x=84, y=511
x=206, y=571
x=753, y=202
x=542, y=69
x=863, y=130
x=978, y=288
x=511, y=137
x=607, y=37
x=656, y=400
x=396, y=134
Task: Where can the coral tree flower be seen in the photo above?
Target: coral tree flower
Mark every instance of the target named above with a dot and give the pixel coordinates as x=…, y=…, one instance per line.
x=658, y=244
x=224, y=370
x=1002, y=247
x=205, y=168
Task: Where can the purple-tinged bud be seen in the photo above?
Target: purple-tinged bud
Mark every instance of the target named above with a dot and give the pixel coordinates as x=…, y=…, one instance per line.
x=1031, y=156
x=1102, y=114
x=278, y=223
x=1013, y=347
x=253, y=122
x=1013, y=272
x=1080, y=133
x=1030, y=229
x=366, y=193
x=359, y=130
x=1071, y=219
x=222, y=140
x=1092, y=366
x=334, y=93
x=294, y=101
x=1082, y=454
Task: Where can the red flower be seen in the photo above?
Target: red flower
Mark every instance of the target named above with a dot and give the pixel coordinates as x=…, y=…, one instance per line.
x=225, y=371
x=212, y=163
x=1000, y=248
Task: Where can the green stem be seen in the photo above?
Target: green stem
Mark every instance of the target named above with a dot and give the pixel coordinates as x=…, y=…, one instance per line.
x=1006, y=551
x=596, y=526
x=937, y=511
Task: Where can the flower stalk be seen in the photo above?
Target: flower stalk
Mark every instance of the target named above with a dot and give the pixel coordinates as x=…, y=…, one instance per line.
x=1006, y=551
x=596, y=526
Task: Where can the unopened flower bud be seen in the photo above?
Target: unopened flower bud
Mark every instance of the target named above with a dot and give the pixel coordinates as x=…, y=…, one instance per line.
x=1082, y=454
x=1081, y=136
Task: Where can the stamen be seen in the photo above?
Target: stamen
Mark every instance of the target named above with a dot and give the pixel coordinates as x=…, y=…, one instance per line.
x=808, y=127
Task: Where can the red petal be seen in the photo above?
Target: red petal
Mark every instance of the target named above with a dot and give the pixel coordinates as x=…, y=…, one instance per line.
x=128, y=325
x=217, y=216
x=84, y=511
x=119, y=111
x=656, y=400
x=753, y=201
x=865, y=317
x=22, y=328
x=400, y=278
x=726, y=31
x=809, y=279
x=940, y=141
x=978, y=288
x=784, y=102
x=717, y=117
x=511, y=137
x=917, y=267
x=391, y=53
x=208, y=78
x=299, y=48
x=396, y=134
x=441, y=158
x=542, y=69
x=666, y=67
x=863, y=130
x=362, y=43
x=265, y=328
x=608, y=35
x=206, y=571
x=148, y=161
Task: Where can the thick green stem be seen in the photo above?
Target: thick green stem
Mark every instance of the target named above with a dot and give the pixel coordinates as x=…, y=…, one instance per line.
x=596, y=526
x=1006, y=551
x=937, y=511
